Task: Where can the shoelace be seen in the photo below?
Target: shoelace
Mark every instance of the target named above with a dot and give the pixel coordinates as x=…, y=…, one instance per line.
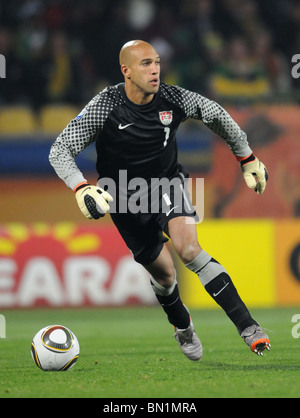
x=183, y=339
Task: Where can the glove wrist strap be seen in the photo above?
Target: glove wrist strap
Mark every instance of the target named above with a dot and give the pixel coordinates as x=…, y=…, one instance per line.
x=80, y=186
x=245, y=160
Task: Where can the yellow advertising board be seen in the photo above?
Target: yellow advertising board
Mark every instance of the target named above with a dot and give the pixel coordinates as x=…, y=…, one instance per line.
x=288, y=262
x=246, y=249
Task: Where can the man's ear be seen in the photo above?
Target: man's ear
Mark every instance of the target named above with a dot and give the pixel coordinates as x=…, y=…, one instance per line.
x=125, y=71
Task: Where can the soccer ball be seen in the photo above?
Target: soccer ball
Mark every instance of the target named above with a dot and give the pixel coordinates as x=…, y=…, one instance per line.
x=55, y=348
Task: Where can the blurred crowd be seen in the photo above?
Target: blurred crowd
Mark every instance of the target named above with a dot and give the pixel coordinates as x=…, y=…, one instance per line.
x=65, y=51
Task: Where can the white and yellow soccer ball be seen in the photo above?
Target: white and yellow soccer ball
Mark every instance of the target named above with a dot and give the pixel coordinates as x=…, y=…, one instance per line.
x=55, y=348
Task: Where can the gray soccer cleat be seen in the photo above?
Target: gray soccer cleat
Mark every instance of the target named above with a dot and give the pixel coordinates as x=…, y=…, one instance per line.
x=189, y=342
x=256, y=339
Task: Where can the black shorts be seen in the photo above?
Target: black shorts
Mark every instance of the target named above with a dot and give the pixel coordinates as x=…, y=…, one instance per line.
x=146, y=233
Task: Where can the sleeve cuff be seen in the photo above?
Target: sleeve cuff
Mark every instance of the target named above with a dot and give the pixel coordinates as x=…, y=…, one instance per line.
x=75, y=180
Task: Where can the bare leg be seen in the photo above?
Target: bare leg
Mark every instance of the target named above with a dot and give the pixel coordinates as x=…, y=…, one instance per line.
x=165, y=287
x=212, y=275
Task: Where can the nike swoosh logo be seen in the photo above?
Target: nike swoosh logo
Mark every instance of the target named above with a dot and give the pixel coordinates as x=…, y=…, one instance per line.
x=216, y=294
x=125, y=126
x=168, y=213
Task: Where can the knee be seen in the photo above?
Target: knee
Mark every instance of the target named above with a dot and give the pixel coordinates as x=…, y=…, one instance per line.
x=165, y=277
x=188, y=252
x=164, y=286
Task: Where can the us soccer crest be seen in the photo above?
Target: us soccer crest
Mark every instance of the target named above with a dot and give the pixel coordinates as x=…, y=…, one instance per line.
x=166, y=117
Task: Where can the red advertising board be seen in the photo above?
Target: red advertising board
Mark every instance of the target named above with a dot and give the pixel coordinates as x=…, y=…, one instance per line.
x=68, y=265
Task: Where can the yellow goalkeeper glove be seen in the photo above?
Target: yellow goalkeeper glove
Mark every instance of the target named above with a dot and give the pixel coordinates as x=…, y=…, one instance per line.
x=92, y=200
x=255, y=173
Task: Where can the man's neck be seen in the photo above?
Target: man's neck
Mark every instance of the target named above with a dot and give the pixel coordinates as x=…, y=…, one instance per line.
x=138, y=96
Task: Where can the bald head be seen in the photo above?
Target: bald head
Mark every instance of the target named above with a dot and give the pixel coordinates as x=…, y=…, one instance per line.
x=132, y=49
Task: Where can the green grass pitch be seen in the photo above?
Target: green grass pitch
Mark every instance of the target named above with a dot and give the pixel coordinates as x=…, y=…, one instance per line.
x=131, y=353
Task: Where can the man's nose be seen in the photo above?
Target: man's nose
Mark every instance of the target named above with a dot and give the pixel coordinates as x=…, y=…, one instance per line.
x=154, y=69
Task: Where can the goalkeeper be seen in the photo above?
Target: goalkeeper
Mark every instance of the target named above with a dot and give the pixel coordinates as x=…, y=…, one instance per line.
x=133, y=126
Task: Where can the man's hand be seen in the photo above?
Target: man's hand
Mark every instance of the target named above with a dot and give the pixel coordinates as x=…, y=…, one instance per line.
x=92, y=200
x=255, y=173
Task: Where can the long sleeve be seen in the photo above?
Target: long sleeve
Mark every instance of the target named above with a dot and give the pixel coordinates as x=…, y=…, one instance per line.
x=80, y=133
x=217, y=119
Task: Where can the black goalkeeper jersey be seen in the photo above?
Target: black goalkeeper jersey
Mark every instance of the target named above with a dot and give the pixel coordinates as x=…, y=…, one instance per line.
x=140, y=139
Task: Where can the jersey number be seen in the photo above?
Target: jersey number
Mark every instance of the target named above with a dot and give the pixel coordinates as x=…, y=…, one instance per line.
x=167, y=135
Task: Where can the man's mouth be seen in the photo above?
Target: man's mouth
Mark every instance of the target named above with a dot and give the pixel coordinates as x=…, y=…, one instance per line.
x=154, y=82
